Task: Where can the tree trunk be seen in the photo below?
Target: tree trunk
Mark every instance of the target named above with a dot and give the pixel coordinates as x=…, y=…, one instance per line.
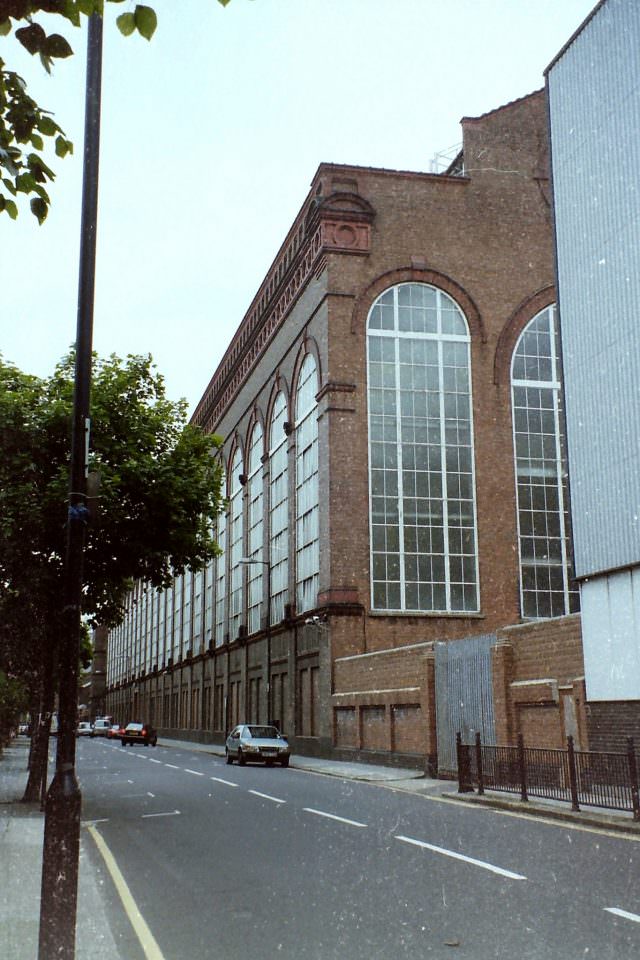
x=41, y=725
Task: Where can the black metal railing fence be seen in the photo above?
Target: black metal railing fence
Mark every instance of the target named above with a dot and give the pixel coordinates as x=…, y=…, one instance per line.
x=592, y=778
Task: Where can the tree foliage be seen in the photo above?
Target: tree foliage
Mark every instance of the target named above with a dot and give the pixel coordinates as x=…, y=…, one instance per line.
x=151, y=513
x=26, y=129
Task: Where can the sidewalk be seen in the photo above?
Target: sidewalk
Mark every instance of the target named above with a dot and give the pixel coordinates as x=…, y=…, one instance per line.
x=21, y=836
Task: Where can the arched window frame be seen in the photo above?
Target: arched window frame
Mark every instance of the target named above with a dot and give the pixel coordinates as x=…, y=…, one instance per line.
x=236, y=534
x=278, y=509
x=542, y=495
x=220, y=581
x=177, y=617
x=307, y=488
x=422, y=507
x=255, y=529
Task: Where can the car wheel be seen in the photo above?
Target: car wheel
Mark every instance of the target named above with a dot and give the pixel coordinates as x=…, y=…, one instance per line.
x=269, y=763
x=123, y=742
x=241, y=758
x=284, y=762
x=154, y=741
x=229, y=757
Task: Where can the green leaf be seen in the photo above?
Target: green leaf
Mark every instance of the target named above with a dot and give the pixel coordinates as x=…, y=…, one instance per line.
x=63, y=147
x=126, y=24
x=9, y=185
x=146, y=21
x=39, y=209
x=72, y=12
x=57, y=46
x=37, y=141
x=224, y=2
x=32, y=37
x=25, y=183
x=11, y=209
x=47, y=126
x=5, y=28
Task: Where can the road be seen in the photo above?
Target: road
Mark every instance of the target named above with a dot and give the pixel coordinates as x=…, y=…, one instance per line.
x=237, y=862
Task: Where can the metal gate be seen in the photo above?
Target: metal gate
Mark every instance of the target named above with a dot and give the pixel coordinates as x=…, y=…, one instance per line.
x=464, y=695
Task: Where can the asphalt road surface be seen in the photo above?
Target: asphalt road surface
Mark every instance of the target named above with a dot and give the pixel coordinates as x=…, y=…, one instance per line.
x=236, y=862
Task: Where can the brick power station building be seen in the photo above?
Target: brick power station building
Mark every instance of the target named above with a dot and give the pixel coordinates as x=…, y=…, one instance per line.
x=391, y=405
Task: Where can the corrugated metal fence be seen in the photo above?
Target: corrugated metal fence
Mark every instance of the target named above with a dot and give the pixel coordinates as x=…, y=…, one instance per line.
x=464, y=695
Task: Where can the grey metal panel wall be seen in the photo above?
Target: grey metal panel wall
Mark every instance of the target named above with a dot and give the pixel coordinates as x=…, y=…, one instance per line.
x=594, y=100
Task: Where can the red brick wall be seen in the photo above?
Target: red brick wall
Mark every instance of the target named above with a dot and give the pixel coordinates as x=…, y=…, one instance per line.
x=538, y=677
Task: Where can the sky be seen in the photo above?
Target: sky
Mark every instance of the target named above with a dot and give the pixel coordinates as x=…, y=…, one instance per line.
x=210, y=137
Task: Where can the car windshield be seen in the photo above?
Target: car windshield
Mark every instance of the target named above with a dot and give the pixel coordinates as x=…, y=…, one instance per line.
x=262, y=733
x=134, y=726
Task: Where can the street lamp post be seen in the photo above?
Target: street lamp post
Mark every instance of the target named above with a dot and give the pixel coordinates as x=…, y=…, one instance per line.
x=59, y=887
x=265, y=563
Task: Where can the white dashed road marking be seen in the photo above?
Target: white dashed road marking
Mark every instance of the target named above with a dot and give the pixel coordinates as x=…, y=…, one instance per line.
x=227, y=782
x=460, y=856
x=170, y=813
x=623, y=913
x=172, y=765
x=332, y=816
x=196, y=773
x=266, y=796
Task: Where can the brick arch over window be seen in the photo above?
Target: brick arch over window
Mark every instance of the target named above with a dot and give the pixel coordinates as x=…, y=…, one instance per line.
x=256, y=418
x=309, y=345
x=416, y=275
x=280, y=386
x=236, y=445
x=512, y=329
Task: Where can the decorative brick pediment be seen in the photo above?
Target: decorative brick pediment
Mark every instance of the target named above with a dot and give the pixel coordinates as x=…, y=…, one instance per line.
x=344, y=220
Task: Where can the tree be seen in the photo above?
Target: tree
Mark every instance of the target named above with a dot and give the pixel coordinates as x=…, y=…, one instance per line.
x=157, y=490
x=26, y=129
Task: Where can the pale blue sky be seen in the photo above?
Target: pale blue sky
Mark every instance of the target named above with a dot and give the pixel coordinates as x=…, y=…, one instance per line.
x=211, y=135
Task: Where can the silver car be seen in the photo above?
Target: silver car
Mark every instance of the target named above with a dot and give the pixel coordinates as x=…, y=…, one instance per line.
x=253, y=742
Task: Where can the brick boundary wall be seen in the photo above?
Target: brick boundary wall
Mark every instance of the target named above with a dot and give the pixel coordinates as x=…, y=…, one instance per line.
x=609, y=724
x=538, y=683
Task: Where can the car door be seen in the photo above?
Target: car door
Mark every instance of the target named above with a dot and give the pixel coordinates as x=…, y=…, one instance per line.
x=234, y=742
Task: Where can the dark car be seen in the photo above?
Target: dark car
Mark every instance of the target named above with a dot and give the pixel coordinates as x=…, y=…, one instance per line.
x=139, y=733
x=256, y=742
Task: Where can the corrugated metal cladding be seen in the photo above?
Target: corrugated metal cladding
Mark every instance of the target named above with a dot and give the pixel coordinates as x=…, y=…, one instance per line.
x=594, y=100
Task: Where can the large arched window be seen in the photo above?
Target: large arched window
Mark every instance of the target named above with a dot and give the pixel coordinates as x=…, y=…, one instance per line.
x=255, y=525
x=307, y=529
x=278, y=509
x=235, y=546
x=220, y=580
x=421, y=463
x=546, y=589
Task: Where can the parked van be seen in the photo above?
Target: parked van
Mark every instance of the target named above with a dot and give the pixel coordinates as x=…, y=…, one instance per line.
x=101, y=726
